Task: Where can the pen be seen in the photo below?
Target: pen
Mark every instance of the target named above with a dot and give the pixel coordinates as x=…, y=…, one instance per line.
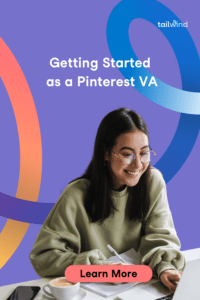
x=115, y=253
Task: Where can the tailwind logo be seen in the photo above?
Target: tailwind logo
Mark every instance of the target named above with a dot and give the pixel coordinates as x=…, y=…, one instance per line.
x=173, y=24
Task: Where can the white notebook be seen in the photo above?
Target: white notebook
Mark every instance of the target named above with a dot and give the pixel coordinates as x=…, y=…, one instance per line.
x=108, y=289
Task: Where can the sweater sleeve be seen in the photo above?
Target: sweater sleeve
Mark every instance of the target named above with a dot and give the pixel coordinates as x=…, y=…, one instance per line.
x=159, y=247
x=58, y=243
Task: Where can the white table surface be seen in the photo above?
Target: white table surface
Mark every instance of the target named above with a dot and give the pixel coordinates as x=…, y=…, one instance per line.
x=5, y=291
x=136, y=291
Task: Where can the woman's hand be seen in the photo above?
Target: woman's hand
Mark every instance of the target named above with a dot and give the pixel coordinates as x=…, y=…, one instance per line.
x=170, y=279
x=116, y=283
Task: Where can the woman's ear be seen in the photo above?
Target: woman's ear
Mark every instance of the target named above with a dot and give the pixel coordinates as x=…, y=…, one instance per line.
x=106, y=156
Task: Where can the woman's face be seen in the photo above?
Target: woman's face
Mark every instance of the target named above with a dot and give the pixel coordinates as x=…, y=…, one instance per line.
x=135, y=142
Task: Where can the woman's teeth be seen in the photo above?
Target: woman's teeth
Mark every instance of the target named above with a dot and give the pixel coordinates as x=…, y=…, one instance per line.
x=132, y=173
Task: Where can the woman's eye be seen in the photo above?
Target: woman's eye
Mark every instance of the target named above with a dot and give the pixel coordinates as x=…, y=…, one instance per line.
x=126, y=154
x=145, y=154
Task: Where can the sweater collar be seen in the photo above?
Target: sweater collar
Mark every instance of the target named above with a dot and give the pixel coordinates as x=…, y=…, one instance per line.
x=119, y=194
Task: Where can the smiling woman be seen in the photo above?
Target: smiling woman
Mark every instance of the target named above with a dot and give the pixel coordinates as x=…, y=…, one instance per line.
x=120, y=200
x=126, y=169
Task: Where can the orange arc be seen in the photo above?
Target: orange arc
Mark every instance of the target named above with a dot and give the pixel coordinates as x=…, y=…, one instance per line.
x=30, y=147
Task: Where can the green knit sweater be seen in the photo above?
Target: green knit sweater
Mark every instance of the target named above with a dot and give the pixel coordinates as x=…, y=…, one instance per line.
x=67, y=237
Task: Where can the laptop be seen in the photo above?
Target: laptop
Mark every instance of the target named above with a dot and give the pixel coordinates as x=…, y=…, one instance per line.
x=189, y=285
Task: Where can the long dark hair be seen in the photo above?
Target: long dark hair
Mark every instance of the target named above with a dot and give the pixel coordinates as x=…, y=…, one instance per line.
x=98, y=202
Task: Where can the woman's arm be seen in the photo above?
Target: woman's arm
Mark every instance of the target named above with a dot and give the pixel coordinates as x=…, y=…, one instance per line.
x=58, y=244
x=159, y=247
x=51, y=256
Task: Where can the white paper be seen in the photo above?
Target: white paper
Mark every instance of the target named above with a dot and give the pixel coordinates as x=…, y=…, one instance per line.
x=107, y=289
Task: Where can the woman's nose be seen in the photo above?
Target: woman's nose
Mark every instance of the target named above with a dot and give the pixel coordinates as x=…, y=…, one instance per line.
x=137, y=164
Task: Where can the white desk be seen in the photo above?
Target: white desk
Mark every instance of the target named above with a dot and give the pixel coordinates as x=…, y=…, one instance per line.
x=154, y=286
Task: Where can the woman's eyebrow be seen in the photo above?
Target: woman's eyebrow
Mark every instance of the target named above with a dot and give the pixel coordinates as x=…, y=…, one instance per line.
x=129, y=148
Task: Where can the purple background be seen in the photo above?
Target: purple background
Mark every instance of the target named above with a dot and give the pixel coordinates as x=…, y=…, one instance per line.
x=36, y=31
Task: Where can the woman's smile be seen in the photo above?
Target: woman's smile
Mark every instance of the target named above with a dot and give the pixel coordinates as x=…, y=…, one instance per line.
x=132, y=173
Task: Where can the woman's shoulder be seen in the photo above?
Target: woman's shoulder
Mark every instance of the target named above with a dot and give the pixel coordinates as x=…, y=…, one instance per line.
x=156, y=174
x=78, y=184
x=76, y=190
x=158, y=195
x=70, y=202
x=157, y=180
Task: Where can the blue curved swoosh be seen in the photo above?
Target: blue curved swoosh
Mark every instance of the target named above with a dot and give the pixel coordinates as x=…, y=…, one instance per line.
x=184, y=101
x=23, y=210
